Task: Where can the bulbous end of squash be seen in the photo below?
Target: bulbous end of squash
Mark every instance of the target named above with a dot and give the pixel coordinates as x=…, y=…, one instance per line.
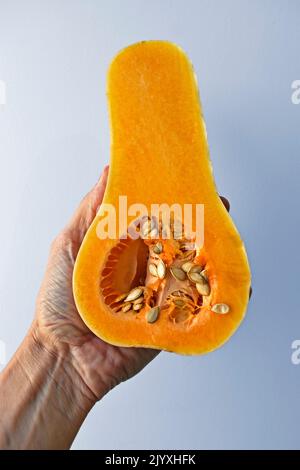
x=155, y=281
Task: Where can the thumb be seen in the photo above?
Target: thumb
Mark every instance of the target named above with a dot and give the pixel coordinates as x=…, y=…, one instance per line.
x=87, y=209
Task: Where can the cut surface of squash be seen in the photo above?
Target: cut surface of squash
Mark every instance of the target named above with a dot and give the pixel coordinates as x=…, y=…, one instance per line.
x=153, y=284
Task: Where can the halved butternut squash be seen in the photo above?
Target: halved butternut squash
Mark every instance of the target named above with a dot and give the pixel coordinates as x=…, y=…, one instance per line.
x=152, y=283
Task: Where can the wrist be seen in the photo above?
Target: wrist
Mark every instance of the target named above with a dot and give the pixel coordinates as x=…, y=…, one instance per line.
x=57, y=357
x=40, y=407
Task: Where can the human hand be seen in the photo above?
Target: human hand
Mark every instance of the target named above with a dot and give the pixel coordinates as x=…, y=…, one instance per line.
x=97, y=366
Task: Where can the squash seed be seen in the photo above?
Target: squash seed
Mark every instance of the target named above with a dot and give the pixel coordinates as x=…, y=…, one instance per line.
x=153, y=270
x=179, y=302
x=203, y=288
x=204, y=274
x=147, y=226
x=137, y=307
x=187, y=266
x=158, y=248
x=152, y=314
x=161, y=269
x=126, y=307
x=134, y=294
x=140, y=300
x=178, y=273
x=202, y=279
x=220, y=308
x=153, y=233
x=195, y=277
x=121, y=297
x=196, y=268
x=188, y=253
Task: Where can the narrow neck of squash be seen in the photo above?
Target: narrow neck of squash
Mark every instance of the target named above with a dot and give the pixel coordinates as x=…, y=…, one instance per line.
x=157, y=131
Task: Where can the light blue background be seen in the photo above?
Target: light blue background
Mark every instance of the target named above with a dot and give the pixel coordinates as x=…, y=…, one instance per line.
x=54, y=141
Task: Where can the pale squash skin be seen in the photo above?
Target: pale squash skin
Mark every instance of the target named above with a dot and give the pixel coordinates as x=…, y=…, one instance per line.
x=159, y=154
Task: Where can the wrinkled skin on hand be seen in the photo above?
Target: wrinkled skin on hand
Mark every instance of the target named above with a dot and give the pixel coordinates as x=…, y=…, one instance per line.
x=99, y=366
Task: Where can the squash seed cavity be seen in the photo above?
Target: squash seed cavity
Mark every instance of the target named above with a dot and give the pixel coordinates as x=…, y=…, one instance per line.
x=185, y=285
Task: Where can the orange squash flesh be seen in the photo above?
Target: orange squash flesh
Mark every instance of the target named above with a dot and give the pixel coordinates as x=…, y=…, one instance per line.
x=159, y=154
